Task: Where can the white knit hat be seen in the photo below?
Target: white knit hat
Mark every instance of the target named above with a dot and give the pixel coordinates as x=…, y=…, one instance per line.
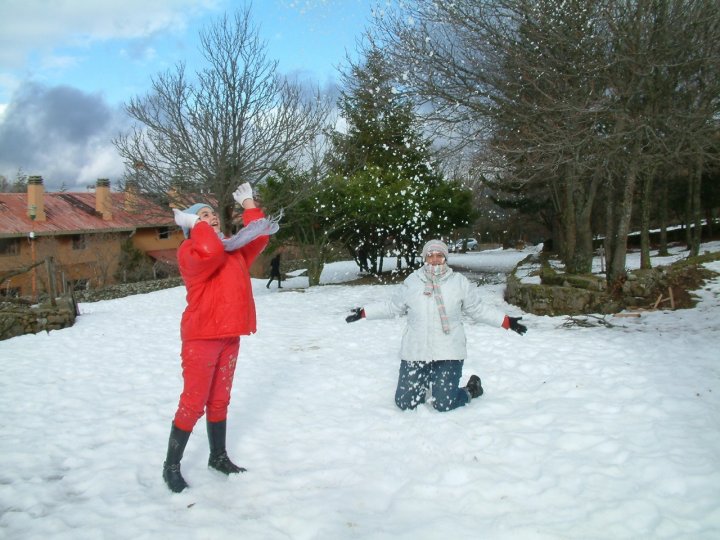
x=435, y=246
x=194, y=209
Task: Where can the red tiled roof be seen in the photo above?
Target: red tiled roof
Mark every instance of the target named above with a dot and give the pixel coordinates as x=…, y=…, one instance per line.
x=167, y=256
x=74, y=213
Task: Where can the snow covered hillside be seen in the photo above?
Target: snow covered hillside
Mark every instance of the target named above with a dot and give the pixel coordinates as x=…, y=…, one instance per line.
x=583, y=433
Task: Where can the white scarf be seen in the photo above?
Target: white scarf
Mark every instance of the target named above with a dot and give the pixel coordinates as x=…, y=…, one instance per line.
x=435, y=273
x=259, y=227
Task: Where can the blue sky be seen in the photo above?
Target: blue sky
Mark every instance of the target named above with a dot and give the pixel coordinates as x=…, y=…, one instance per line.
x=66, y=68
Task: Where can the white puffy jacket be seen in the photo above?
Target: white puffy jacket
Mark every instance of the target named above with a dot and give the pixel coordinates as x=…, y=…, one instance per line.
x=423, y=338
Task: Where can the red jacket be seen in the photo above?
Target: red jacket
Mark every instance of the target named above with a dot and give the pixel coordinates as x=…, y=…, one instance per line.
x=220, y=303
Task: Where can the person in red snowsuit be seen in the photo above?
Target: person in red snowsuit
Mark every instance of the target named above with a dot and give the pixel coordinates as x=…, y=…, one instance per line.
x=220, y=309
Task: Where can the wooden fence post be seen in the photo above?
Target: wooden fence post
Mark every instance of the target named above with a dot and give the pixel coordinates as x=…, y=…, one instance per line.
x=50, y=265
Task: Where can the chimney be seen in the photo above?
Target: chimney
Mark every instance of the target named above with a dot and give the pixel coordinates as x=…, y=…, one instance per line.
x=103, y=202
x=36, y=198
x=173, y=196
x=131, y=196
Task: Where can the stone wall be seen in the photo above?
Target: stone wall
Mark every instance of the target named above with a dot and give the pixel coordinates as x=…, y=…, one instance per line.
x=553, y=300
x=17, y=319
x=566, y=294
x=127, y=289
x=558, y=293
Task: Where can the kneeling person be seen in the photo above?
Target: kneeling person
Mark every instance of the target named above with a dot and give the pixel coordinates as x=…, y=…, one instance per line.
x=433, y=350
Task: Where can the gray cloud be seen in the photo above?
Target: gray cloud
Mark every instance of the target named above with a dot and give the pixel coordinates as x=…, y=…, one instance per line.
x=60, y=133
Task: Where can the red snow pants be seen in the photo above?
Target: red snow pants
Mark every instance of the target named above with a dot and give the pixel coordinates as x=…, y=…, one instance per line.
x=208, y=367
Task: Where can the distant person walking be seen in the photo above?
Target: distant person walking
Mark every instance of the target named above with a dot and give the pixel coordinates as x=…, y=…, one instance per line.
x=275, y=271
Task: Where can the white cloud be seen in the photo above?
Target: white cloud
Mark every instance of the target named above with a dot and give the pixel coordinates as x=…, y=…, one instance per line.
x=59, y=61
x=38, y=25
x=101, y=161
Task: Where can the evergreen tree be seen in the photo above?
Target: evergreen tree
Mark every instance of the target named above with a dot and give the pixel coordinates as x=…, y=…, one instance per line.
x=386, y=193
x=298, y=194
x=18, y=186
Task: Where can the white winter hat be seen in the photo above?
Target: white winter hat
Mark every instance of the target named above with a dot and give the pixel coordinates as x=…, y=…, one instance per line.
x=435, y=246
x=194, y=209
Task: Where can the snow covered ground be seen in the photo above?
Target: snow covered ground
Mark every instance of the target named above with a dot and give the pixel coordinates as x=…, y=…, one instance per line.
x=583, y=433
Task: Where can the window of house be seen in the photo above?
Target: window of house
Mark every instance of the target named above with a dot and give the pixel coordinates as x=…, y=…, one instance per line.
x=10, y=292
x=78, y=285
x=9, y=246
x=163, y=232
x=78, y=241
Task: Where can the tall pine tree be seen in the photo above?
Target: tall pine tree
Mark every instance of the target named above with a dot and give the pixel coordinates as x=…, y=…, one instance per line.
x=386, y=190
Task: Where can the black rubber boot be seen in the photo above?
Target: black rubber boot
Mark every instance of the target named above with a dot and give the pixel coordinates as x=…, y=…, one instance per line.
x=474, y=387
x=219, y=459
x=171, y=468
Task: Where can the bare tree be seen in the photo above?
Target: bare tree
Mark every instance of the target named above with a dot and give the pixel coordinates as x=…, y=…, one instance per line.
x=233, y=123
x=569, y=99
x=515, y=80
x=663, y=87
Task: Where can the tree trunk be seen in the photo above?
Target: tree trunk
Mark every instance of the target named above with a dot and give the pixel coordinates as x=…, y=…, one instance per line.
x=567, y=217
x=646, y=205
x=696, y=209
x=709, y=222
x=617, y=252
x=688, y=211
x=576, y=217
x=663, y=252
x=584, y=251
x=555, y=240
x=372, y=259
x=314, y=271
x=316, y=263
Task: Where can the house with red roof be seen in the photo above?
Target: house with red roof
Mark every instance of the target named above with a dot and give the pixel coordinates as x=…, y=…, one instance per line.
x=83, y=237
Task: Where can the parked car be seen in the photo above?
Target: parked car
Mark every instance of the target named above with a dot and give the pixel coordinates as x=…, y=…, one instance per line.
x=472, y=244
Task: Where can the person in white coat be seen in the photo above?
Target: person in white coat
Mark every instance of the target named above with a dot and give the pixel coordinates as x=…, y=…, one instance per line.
x=433, y=349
